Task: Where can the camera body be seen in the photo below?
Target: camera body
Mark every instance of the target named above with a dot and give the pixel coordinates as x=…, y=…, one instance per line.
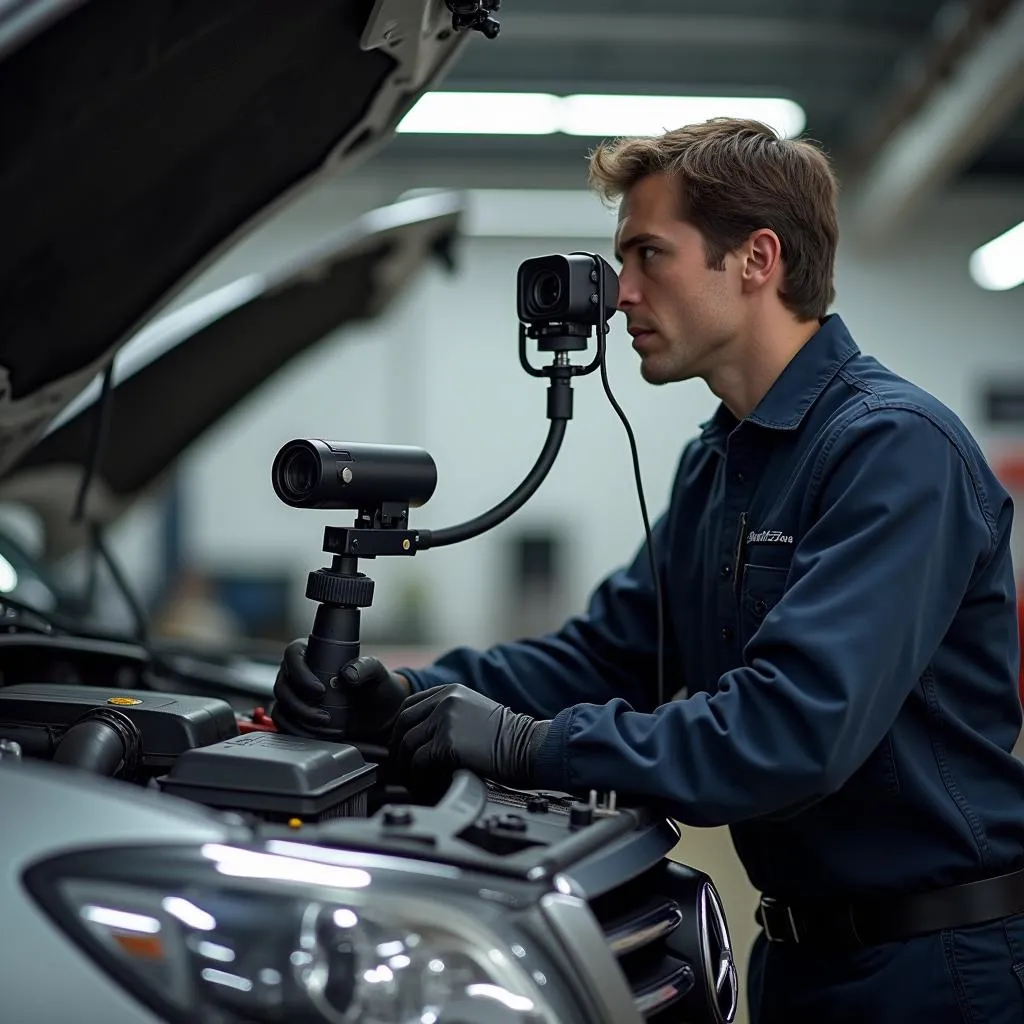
x=313, y=473
x=559, y=297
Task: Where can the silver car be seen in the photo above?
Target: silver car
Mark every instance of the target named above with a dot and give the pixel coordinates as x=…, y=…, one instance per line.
x=166, y=856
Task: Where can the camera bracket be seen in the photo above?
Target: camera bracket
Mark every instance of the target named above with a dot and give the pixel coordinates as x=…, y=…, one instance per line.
x=476, y=15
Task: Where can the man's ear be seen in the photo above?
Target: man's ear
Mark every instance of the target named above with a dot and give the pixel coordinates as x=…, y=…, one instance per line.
x=763, y=258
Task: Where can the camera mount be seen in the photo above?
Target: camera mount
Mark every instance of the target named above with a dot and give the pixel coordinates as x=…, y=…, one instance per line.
x=561, y=301
x=476, y=15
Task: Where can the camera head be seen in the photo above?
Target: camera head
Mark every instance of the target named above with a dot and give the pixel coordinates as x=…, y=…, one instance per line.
x=364, y=477
x=560, y=299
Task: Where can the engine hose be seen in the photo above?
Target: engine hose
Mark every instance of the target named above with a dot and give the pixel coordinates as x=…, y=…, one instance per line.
x=103, y=741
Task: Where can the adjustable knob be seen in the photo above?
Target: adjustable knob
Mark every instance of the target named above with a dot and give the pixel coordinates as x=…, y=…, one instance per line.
x=326, y=586
x=397, y=816
x=580, y=815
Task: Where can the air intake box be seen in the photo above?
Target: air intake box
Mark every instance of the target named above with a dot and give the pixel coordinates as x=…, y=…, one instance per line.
x=38, y=714
x=275, y=777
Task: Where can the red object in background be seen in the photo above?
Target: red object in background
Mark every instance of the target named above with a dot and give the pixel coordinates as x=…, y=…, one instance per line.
x=1009, y=467
x=259, y=721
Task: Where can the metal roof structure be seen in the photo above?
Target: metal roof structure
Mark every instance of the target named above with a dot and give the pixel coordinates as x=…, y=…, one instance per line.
x=908, y=96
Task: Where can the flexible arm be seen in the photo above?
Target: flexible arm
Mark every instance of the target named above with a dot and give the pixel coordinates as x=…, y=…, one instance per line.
x=901, y=531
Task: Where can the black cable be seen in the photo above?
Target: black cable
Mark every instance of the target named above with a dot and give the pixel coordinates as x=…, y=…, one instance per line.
x=121, y=581
x=501, y=511
x=98, y=543
x=659, y=597
x=99, y=437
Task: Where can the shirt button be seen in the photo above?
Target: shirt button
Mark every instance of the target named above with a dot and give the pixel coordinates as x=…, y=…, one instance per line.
x=760, y=607
x=726, y=571
x=739, y=478
x=726, y=633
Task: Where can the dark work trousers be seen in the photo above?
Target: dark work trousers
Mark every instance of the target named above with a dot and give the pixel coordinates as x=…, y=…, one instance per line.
x=964, y=976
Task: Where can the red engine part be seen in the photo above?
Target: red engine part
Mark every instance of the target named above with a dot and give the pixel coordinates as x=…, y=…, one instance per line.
x=258, y=721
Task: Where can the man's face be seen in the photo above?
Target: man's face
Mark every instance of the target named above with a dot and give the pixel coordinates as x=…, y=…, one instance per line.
x=682, y=314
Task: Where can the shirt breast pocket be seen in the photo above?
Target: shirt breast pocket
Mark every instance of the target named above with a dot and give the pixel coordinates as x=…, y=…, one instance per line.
x=761, y=590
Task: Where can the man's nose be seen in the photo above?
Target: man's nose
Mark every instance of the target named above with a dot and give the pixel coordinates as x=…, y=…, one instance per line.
x=629, y=292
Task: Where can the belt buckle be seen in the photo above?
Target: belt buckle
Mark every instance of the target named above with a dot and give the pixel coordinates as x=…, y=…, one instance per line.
x=768, y=906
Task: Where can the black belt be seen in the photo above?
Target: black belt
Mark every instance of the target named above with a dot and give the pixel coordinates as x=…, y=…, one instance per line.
x=870, y=921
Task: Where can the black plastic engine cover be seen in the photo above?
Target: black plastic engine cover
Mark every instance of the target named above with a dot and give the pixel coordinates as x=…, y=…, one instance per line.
x=170, y=723
x=275, y=776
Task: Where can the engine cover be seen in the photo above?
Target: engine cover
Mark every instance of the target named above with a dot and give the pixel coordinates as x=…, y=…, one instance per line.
x=38, y=714
x=277, y=777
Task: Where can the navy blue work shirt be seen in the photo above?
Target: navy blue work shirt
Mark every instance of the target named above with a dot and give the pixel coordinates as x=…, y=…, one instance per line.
x=840, y=614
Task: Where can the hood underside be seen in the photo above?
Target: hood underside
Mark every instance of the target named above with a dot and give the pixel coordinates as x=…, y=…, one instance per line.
x=142, y=139
x=184, y=372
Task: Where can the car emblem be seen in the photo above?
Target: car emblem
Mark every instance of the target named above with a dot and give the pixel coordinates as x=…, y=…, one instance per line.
x=123, y=701
x=719, y=960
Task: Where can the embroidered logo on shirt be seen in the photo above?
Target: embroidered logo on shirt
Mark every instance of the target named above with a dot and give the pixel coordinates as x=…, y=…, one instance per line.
x=769, y=537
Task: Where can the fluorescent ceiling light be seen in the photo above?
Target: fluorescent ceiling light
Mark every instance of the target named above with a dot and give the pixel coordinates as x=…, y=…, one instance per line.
x=606, y=116
x=999, y=265
x=510, y=113
x=483, y=113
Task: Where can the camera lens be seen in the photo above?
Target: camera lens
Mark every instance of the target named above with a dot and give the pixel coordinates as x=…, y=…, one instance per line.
x=547, y=290
x=300, y=473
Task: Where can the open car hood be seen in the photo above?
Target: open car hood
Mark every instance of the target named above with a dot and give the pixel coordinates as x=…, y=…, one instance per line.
x=141, y=140
x=185, y=371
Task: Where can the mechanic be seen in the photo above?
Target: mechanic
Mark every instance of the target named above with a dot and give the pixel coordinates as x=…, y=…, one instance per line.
x=840, y=621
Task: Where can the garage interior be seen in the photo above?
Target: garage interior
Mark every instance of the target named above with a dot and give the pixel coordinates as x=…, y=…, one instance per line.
x=920, y=105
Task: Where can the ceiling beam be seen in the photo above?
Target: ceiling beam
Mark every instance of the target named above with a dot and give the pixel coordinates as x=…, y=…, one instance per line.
x=693, y=30
x=969, y=95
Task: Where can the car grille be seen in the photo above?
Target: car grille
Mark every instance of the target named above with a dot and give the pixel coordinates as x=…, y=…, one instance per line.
x=672, y=945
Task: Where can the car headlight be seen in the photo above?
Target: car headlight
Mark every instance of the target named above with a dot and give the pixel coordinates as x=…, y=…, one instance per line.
x=226, y=934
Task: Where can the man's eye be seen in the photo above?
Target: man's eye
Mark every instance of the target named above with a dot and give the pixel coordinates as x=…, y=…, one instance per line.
x=646, y=252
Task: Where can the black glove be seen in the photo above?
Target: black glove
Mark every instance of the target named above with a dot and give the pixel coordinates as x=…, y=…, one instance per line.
x=449, y=727
x=374, y=697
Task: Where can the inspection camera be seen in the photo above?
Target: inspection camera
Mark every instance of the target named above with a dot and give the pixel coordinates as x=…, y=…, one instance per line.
x=562, y=301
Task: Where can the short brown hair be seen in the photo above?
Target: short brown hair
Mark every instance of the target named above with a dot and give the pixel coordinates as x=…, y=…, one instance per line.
x=738, y=176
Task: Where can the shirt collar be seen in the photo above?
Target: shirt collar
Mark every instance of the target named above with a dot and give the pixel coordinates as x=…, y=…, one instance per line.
x=797, y=388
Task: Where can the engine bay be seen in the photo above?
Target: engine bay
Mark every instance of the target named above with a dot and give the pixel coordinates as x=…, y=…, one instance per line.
x=662, y=921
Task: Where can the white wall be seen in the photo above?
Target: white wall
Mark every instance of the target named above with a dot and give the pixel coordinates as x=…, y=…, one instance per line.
x=441, y=371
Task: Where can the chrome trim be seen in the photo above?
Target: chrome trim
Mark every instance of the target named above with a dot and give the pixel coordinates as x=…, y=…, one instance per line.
x=358, y=859
x=647, y=927
x=665, y=991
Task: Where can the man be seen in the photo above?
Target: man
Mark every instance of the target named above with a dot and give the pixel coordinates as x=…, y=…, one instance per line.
x=840, y=614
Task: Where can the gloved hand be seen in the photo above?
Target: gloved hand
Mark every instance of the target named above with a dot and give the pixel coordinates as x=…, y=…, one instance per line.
x=374, y=697
x=449, y=727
